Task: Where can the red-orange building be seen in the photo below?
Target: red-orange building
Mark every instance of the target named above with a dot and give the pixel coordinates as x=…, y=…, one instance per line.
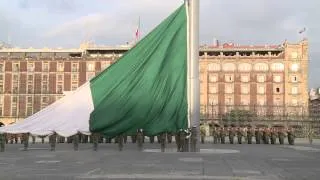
x=231, y=76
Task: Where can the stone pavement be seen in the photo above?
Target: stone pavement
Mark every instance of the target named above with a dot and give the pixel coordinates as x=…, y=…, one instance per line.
x=220, y=161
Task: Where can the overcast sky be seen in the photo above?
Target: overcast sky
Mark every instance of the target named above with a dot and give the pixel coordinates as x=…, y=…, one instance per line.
x=67, y=23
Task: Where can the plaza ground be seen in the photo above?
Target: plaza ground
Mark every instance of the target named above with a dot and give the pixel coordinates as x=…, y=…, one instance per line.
x=215, y=161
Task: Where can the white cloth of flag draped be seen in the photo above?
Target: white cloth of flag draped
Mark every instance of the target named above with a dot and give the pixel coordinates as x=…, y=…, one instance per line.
x=146, y=88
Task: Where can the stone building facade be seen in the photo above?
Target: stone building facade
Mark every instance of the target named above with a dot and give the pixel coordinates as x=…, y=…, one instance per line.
x=231, y=76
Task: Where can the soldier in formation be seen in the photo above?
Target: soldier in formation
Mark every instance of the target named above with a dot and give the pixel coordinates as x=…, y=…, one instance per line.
x=140, y=138
x=250, y=134
x=232, y=133
x=273, y=134
x=180, y=140
x=2, y=142
x=76, y=139
x=223, y=134
x=291, y=136
x=239, y=135
x=53, y=141
x=202, y=133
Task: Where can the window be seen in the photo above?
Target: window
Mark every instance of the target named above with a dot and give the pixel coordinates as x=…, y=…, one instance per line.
x=15, y=77
x=213, y=101
x=261, y=101
x=29, y=110
x=60, y=66
x=74, y=67
x=214, y=67
x=30, y=67
x=294, y=78
x=245, y=101
x=245, y=89
x=277, y=101
x=30, y=89
x=59, y=77
x=229, y=101
x=229, y=88
x=276, y=78
x=74, y=77
x=105, y=64
x=90, y=75
x=261, y=78
x=294, y=67
x=294, y=55
x=15, y=88
x=294, y=90
x=45, y=88
x=1, y=104
x=14, y=99
x=1, y=88
x=74, y=87
x=16, y=67
x=59, y=88
x=29, y=100
x=30, y=77
x=244, y=67
x=14, y=110
x=294, y=102
x=44, y=77
x=1, y=77
x=277, y=67
x=213, y=78
x=90, y=66
x=244, y=78
x=1, y=67
x=261, y=67
x=261, y=89
x=229, y=67
x=212, y=89
x=45, y=66
x=277, y=90
x=45, y=100
x=229, y=78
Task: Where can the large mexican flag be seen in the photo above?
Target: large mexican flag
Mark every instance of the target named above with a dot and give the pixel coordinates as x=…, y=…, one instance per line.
x=147, y=87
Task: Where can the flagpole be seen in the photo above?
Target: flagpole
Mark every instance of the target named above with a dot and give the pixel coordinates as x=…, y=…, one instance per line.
x=194, y=68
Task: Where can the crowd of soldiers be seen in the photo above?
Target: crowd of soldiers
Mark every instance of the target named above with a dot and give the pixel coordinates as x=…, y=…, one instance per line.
x=261, y=135
x=182, y=138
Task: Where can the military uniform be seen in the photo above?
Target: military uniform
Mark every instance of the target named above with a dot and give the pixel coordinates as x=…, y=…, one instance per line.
x=95, y=138
x=169, y=137
x=232, y=133
x=53, y=141
x=239, y=135
x=202, y=133
x=215, y=135
x=310, y=135
x=140, y=138
x=151, y=139
x=163, y=141
x=25, y=141
x=222, y=136
x=2, y=142
x=281, y=135
x=273, y=136
x=120, y=143
x=291, y=137
x=250, y=134
x=267, y=138
x=76, y=140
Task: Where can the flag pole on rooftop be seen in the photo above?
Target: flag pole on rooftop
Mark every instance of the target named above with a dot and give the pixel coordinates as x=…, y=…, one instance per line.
x=194, y=69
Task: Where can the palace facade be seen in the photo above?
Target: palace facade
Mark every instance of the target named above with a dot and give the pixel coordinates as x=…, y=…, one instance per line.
x=270, y=80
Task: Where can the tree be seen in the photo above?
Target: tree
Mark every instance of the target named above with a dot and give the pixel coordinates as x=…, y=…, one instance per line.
x=239, y=115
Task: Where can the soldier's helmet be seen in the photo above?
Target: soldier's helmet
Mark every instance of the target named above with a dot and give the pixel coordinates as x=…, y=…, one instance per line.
x=140, y=130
